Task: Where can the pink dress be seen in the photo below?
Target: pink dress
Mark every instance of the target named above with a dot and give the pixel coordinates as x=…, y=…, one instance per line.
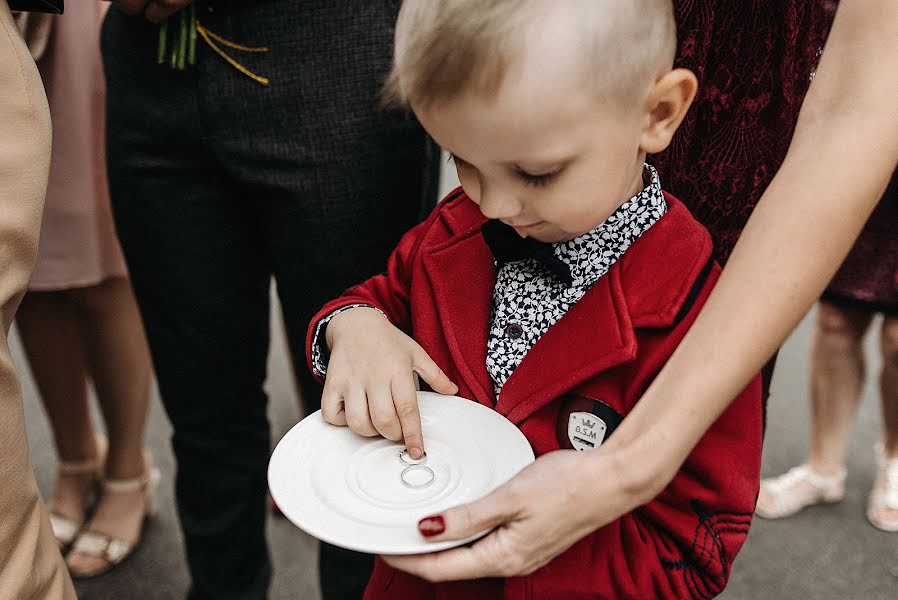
x=78, y=246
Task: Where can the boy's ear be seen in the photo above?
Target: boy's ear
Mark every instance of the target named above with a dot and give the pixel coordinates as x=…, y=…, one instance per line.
x=668, y=103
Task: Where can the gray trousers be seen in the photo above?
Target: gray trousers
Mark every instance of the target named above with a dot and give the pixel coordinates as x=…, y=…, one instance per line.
x=218, y=184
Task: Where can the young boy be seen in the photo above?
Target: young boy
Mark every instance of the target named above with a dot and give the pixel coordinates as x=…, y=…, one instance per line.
x=554, y=284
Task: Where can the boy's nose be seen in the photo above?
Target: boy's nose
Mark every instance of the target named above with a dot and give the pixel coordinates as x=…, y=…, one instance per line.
x=498, y=205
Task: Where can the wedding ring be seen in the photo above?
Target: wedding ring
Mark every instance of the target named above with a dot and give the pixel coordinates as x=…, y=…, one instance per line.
x=405, y=457
x=417, y=476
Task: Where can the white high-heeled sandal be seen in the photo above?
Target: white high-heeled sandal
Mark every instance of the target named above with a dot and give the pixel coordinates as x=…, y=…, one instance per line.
x=885, y=491
x=113, y=550
x=65, y=528
x=797, y=489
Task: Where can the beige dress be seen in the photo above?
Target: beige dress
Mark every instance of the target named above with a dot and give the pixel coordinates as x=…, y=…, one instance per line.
x=31, y=567
x=78, y=246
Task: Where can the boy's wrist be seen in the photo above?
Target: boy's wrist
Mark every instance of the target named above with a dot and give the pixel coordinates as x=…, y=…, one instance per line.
x=332, y=327
x=322, y=340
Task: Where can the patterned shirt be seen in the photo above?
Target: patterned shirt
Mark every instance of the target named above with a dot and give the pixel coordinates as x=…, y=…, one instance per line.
x=528, y=299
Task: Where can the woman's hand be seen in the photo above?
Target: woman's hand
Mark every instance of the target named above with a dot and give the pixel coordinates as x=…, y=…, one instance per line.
x=544, y=510
x=153, y=10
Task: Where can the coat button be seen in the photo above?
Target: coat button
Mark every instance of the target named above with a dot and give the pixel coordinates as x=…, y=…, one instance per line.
x=514, y=331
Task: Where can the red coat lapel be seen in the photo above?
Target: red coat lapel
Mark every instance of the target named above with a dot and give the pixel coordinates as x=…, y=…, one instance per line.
x=646, y=288
x=462, y=276
x=595, y=335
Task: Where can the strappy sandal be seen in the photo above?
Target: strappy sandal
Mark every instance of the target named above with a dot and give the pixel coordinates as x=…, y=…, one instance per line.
x=797, y=489
x=885, y=492
x=113, y=550
x=66, y=528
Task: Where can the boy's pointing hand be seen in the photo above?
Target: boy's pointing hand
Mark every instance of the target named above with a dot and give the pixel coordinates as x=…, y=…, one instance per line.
x=369, y=384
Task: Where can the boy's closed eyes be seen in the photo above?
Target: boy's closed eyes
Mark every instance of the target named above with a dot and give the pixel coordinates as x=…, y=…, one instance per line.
x=535, y=177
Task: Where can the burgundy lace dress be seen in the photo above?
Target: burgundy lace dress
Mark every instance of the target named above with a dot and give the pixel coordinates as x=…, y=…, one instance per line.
x=867, y=278
x=753, y=60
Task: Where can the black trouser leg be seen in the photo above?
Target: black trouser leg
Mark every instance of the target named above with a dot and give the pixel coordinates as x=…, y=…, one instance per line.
x=200, y=275
x=219, y=182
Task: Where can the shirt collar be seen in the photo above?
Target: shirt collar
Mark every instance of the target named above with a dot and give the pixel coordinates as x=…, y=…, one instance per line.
x=591, y=254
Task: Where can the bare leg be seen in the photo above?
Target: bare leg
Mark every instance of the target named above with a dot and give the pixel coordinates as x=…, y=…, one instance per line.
x=837, y=377
x=888, y=383
x=51, y=337
x=119, y=363
x=837, y=374
x=885, y=512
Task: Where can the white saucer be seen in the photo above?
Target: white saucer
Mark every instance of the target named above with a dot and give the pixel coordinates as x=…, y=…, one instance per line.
x=349, y=490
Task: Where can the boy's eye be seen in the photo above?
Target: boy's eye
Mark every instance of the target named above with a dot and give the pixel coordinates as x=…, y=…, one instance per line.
x=537, y=180
x=530, y=179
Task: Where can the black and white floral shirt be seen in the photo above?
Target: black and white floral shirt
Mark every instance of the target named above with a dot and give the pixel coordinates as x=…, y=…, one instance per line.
x=528, y=299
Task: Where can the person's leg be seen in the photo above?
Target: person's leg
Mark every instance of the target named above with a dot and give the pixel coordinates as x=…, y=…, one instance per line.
x=190, y=238
x=206, y=319
x=337, y=180
x=837, y=378
x=119, y=365
x=837, y=375
x=31, y=566
x=51, y=337
x=883, y=510
x=888, y=386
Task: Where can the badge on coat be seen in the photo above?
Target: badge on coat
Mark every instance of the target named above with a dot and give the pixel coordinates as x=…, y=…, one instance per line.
x=584, y=422
x=585, y=430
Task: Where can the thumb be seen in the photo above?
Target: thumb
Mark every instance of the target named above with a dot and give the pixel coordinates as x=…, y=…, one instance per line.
x=468, y=520
x=432, y=374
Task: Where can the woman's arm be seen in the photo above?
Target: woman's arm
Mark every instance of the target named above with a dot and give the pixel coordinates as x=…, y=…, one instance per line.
x=843, y=152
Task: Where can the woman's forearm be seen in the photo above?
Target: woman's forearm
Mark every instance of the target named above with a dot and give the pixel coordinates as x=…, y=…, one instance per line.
x=844, y=149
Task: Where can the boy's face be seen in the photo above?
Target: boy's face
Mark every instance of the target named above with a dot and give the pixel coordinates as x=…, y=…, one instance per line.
x=542, y=155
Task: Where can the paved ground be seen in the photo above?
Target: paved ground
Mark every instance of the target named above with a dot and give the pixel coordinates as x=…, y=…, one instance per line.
x=826, y=553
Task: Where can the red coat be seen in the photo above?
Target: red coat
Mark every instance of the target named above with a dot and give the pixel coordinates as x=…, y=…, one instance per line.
x=599, y=357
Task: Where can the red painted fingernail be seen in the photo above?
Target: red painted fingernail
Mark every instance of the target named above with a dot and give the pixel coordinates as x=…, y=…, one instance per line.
x=431, y=526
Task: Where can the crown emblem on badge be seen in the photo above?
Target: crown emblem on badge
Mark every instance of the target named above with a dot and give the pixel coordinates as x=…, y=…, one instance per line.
x=585, y=430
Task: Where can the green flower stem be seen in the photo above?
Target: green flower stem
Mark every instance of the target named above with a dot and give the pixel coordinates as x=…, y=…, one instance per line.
x=182, y=45
x=179, y=48
x=191, y=52
x=173, y=59
x=163, y=42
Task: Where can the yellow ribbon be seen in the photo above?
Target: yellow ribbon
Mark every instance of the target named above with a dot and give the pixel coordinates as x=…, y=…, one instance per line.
x=211, y=37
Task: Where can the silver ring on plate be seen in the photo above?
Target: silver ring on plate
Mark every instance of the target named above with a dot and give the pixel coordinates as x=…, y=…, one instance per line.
x=404, y=457
x=417, y=476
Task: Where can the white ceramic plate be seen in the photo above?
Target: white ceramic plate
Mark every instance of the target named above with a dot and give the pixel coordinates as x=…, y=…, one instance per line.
x=351, y=491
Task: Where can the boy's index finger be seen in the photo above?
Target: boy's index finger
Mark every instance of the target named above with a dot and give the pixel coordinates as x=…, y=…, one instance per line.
x=405, y=400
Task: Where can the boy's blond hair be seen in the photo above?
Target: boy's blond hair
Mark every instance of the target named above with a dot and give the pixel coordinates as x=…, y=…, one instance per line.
x=444, y=47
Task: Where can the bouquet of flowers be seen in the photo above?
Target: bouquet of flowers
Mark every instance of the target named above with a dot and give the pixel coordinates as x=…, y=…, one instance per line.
x=177, y=43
